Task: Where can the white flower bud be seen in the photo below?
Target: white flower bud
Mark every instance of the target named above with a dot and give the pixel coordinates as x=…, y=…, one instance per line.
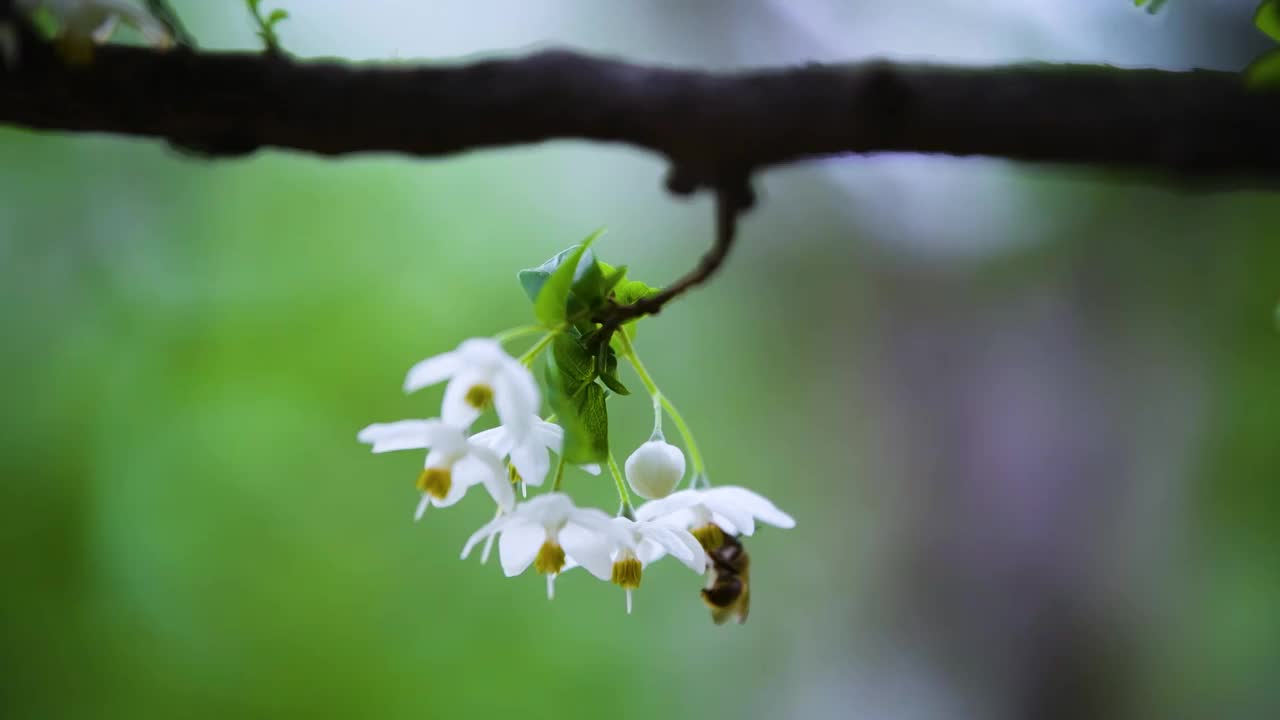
x=654, y=469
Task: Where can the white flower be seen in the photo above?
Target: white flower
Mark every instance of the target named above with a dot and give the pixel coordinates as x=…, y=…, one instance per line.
x=708, y=513
x=546, y=532
x=530, y=459
x=654, y=469
x=640, y=544
x=84, y=22
x=452, y=466
x=480, y=373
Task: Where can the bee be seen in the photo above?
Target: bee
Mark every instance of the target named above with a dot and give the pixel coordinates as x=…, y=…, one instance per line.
x=728, y=592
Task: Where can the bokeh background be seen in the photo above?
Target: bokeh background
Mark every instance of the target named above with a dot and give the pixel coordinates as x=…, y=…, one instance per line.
x=1028, y=417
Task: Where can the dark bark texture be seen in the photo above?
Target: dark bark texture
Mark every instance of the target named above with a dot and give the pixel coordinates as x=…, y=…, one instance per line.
x=711, y=126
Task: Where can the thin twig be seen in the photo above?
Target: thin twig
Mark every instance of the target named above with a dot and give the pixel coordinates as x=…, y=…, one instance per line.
x=731, y=199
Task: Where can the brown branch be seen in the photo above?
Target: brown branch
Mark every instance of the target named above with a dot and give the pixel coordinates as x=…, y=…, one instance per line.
x=715, y=129
x=1189, y=124
x=731, y=199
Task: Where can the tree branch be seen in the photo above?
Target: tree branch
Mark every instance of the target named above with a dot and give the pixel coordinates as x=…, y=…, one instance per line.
x=1189, y=124
x=715, y=129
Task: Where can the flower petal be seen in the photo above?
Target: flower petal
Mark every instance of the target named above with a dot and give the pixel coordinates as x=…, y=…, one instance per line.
x=432, y=370
x=485, y=354
x=602, y=524
x=514, y=408
x=455, y=410
x=548, y=434
x=589, y=549
x=674, y=502
x=532, y=462
x=667, y=538
x=678, y=520
x=497, y=439
x=482, y=467
x=754, y=503
x=518, y=546
x=590, y=469
x=550, y=509
x=650, y=552
x=102, y=34
x=489, y=528
x=399, y=435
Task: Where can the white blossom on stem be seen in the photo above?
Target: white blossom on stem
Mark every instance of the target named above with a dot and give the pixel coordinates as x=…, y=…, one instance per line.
x=83, y=23
x=706, y=513
x=640, y=544
x=547, y=532
x=453, y=464
x=530, y=458
x=481, y=374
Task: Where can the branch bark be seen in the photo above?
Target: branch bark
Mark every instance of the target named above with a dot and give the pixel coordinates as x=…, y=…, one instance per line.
x=715, y=129
x=710, y=126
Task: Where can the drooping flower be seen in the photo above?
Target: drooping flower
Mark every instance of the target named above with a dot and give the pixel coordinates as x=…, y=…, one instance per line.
x=480, y=374
x=547, y=532
x=655, y=469
x=640, y=544
x=711, y=512
x=84, y=23
x=453, y=463
x=530, y=459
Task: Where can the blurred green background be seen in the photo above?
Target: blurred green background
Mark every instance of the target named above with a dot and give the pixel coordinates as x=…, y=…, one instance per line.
x=1026, y=417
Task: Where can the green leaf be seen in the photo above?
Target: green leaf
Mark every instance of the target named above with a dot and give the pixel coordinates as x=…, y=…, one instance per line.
x=1267, y=18
x=532, y=279
x=610, y=378
x=586, y=286
x=589, y=440
x=612, y=277
x=633, y=290
x=579, y=405
x=591, y=289
x=600, y=345
x=276, y=16
x=1264, y=73
x=573, y=364
x=628, y=292
x=550, y=304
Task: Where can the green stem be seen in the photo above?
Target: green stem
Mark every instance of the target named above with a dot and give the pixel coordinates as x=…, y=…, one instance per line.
x=699, y=469
x=517, y=332
x=627, y=509
x=532, y=353
x=555, y=484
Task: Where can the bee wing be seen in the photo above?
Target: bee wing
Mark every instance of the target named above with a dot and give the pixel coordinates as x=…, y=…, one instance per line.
x=743, y=606
x=720, y=615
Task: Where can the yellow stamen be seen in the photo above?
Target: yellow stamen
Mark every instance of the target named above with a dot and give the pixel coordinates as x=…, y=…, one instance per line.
x=550, y=559
x=710, y=536
x=514, y=475
x=626, y=573
x=479, y=396
x=435, y=482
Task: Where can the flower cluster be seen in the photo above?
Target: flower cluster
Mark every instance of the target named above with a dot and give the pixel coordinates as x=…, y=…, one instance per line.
x=85, y=23
x=549, y=532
